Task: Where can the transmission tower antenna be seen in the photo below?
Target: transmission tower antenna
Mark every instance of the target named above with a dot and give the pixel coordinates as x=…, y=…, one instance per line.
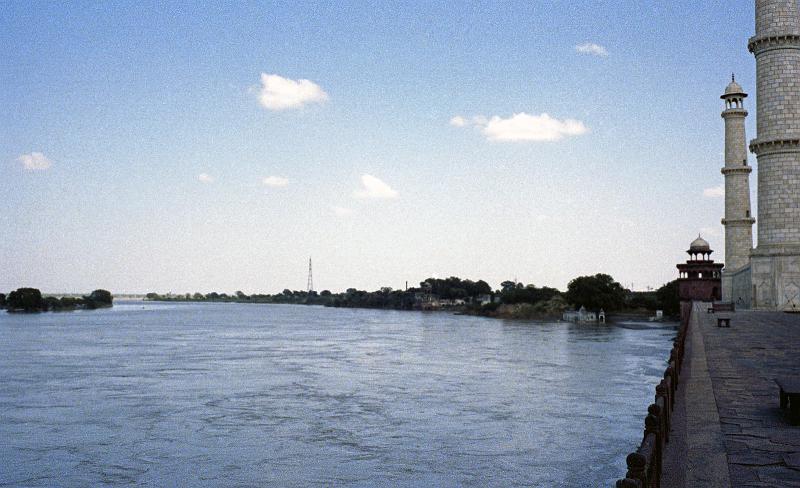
x=310, y=277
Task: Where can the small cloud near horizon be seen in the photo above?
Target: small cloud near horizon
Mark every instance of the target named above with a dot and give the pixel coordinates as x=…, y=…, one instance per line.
x=35, y=161
x=593, y=49
x=374, y=188
x=205, y=178
x=275, y=181
x=279, y=93
x=714, y=192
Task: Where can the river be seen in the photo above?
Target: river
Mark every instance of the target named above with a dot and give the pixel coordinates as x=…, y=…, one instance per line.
x=212, y=394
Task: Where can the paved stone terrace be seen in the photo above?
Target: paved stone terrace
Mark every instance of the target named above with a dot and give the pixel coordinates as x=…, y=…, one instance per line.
x=736, y=368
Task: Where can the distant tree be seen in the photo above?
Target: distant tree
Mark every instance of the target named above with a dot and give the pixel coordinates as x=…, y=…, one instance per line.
x=25, y=299
x=596, y=292
x=527, y=294
x=2, y=300
x=198, y=296
x=668, y=298
x=325, y=293
x=99, y=299
x=642, y=300
x=101, y=296
x=480, y=288
x=241, y=296
x=152, y=296
x=70, y=303
x=51, y=303
x=507, y=285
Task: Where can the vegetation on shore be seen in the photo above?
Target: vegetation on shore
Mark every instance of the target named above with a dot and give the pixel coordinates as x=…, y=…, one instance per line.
x=511, y=300
x=31, y=300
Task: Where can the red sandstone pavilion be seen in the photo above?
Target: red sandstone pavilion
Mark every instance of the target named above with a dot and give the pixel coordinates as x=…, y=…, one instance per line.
x=699, y=277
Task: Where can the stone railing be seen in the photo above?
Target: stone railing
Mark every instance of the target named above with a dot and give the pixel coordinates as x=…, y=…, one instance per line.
x=644, y=465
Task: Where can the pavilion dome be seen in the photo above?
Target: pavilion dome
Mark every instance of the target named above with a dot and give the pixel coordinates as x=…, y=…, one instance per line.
x=699, y=245
x=734, y=88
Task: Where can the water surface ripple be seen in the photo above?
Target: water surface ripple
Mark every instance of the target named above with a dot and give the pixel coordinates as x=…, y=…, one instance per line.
x=157, y=394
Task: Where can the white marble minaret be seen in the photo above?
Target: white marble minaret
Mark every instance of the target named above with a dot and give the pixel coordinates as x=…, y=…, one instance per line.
x=738, y=221
x=775, y=262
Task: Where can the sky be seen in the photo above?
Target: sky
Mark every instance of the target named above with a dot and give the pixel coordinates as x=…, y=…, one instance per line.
x=203, y=146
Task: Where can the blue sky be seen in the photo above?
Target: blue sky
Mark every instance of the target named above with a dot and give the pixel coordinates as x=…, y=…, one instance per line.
x=158, y=131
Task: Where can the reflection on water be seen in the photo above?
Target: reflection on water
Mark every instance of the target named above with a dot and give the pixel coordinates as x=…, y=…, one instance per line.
x=269, y=395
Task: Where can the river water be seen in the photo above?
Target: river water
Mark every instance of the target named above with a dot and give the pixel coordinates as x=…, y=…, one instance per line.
x=158, y=394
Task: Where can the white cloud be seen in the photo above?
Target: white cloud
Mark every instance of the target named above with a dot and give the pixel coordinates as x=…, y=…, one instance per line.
x=35, y=161
x=342, y=211
x=458, y=121
x=592, y=48
x=205, y=178
x=714, y=192
x=374, y=188
x=275, y=181
x=525, y=127
x=279, y=93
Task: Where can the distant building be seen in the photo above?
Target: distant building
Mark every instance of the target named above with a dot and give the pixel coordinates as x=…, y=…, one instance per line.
x=580, y=315
x=699, y=278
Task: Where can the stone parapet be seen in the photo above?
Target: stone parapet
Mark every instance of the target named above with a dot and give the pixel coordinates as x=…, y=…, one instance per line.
x=761, y=146
x=761, y=44
x=734, y=112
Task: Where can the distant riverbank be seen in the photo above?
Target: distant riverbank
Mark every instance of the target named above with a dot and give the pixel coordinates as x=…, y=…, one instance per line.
x=513, y=300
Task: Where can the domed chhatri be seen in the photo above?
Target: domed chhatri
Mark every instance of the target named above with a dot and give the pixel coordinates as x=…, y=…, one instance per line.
x=700, y=246
x=734, y=88
x=700, y=250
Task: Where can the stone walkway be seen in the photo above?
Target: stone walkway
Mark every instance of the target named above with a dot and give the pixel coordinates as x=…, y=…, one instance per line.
x=729, y=402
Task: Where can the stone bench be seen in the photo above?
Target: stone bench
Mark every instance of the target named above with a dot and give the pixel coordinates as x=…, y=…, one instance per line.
x=790, y=396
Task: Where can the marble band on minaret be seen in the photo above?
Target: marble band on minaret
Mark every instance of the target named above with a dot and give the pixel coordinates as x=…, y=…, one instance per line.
x=775, y=262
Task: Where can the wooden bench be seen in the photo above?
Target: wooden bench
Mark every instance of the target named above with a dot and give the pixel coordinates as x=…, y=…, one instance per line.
x=722, y=307
x=790, y=397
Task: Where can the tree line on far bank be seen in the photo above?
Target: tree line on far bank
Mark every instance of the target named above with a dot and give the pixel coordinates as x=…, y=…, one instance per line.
x=31, y=300
x=594, y=292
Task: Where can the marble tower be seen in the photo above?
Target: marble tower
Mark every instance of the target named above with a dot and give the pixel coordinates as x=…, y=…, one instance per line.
x=738, y=220
x=775, y=262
